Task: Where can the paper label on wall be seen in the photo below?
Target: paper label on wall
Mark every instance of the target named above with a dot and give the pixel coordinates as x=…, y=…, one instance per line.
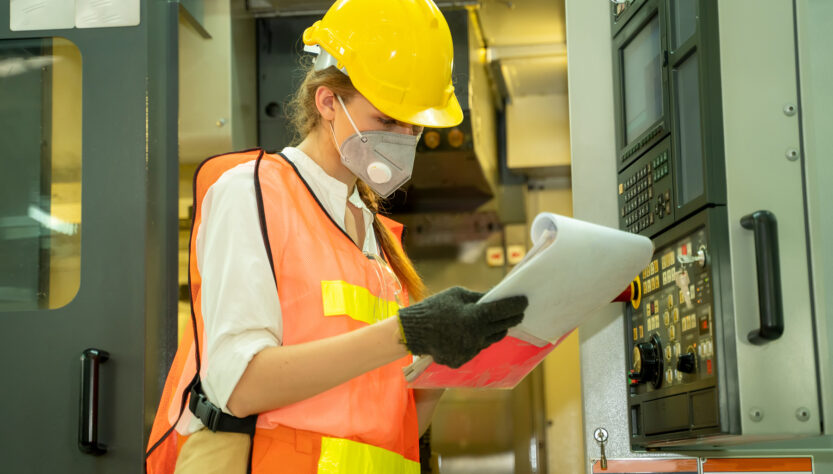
x=28, y=15
x=791, y=465
x=515, y=253
x=495, y=256
x=648, y=466
x=106, y=13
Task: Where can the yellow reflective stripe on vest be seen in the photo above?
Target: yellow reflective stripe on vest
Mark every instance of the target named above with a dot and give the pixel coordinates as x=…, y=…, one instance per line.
x=342, y=298
x=342, y=456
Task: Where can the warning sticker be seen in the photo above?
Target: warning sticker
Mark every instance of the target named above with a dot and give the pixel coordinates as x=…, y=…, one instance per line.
x=647, y=466
x=791, y=465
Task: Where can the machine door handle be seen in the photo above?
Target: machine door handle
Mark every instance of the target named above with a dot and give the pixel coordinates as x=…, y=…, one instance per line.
x=765, y=228
x=88, y=443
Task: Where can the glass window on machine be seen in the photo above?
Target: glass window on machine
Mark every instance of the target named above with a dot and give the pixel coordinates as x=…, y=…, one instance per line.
x=643, y=80
x=40, y=185
x=689, y=146
x=683, y=21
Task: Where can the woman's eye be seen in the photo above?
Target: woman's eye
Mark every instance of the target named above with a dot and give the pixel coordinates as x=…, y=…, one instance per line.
x=387, y=122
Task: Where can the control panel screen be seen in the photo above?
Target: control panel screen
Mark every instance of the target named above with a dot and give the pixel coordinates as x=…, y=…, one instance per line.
x=643, y=80
x=689, y=146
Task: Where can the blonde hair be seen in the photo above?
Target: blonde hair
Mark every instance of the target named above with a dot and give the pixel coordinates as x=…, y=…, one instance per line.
x=304, y=116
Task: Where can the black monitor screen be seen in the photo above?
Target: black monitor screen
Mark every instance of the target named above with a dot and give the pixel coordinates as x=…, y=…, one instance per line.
x=642, y=81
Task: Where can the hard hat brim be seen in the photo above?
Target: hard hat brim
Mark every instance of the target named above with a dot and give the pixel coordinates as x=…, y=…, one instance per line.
x=435, y=117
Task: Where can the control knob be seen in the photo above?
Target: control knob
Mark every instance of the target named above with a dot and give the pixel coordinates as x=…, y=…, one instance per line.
x=647, y=363
x=686, y=363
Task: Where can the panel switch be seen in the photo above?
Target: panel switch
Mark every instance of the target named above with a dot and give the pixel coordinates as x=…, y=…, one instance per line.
x=687, y=363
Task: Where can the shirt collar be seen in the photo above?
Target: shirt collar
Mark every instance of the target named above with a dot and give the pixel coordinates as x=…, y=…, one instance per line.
x=332, y=192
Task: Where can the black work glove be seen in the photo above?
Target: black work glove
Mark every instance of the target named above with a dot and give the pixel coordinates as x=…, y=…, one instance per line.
x=452, y=328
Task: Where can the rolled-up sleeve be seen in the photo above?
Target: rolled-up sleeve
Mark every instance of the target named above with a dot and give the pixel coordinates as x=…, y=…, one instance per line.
x=240, y=305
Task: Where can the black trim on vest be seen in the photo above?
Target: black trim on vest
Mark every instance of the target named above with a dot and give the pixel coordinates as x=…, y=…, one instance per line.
x=323, y=209
x=261, y=215
x=196, y=380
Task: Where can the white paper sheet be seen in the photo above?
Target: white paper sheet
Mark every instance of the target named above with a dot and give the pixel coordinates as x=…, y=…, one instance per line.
x=574, y=269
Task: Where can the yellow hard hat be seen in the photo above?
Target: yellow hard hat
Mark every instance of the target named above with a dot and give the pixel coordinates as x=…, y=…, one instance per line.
x=398, y=54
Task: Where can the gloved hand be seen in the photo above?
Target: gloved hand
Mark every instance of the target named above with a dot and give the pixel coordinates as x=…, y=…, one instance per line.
x=452, y=328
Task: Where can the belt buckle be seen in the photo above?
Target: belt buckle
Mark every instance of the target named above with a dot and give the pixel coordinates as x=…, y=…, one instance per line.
x=208, y=414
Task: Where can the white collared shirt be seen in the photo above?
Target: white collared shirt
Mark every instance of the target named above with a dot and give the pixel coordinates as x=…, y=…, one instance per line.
x=240, y=306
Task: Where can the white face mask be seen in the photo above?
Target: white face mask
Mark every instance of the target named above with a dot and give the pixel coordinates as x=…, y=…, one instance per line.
x=383, y=160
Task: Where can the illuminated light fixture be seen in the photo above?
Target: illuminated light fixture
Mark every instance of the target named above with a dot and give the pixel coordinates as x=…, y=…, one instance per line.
x=431, y=139
x=456, y=138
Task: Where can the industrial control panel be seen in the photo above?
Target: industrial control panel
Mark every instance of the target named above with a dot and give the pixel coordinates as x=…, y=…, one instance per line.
x=724, y=346
x=646, y=198
x=674, y=337
x=668, y=115
x=728, y=343
x=671, y=188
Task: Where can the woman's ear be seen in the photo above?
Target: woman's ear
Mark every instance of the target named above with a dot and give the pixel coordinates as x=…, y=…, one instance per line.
x=325, y=100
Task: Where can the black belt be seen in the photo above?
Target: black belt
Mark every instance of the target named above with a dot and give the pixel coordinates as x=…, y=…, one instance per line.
x=214, y=419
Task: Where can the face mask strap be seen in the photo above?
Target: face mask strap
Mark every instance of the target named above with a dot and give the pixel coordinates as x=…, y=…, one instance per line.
x=387, y=278
x=350, y=119
x=335, y=141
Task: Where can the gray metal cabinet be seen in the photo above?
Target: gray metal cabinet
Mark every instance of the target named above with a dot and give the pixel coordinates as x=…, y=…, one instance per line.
x=88, y=162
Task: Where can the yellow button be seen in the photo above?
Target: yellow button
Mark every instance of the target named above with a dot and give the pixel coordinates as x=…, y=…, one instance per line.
x=635, y=334
x=641, y=331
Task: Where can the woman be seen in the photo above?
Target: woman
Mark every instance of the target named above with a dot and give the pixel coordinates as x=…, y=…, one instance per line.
x=299, y=289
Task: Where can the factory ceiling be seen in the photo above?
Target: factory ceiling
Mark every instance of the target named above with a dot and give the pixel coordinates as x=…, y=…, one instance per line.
x=524, y=43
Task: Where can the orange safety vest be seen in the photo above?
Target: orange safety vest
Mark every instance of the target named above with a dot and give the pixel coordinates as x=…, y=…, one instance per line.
x=326, y=287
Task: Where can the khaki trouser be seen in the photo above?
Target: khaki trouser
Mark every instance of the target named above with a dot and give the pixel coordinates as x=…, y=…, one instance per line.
x=207, y=452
